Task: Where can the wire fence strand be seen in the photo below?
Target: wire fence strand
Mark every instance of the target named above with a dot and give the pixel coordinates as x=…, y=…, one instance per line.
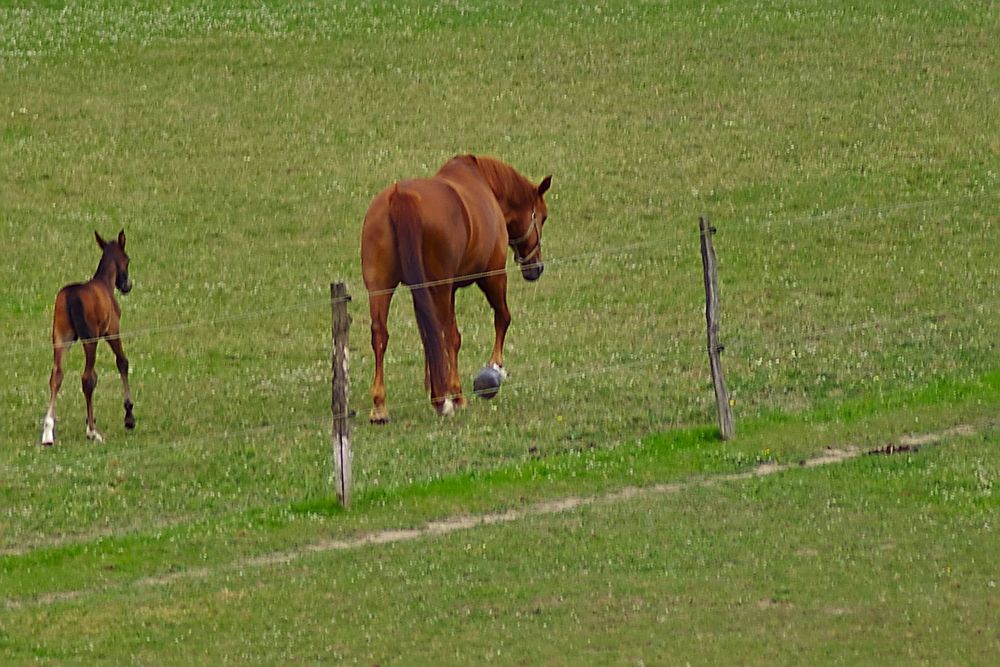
x=13, y=350
x=127, y=459
x=324, y=421
x=551, y=377
x=316, y=422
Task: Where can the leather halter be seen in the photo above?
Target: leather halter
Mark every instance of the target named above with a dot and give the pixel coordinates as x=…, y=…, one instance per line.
x=533, y=227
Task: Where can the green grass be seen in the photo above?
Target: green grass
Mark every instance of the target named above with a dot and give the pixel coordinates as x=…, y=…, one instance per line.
x=881, y=556
x=847, y=156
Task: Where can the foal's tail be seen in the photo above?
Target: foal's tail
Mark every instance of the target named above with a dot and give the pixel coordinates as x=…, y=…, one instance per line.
x=404, y=216
x=77, y=318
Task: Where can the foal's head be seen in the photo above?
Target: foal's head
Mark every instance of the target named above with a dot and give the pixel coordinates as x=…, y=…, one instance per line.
x=525, y=229
x=114, y=257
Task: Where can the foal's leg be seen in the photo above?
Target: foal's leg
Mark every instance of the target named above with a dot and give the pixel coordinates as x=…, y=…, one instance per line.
x=89, y=383
x=122, y=361
x=495, y=289
x=378, y=305
x=55, y=382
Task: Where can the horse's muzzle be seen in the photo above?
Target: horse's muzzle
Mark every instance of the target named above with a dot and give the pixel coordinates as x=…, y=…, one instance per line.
x=125, y=287
x=532, y=272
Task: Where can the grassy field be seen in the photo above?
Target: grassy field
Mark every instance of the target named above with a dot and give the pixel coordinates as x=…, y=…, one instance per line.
x=848, y=158
x=607, y=584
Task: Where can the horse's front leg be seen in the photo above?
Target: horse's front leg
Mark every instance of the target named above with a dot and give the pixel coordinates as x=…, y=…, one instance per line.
x=495, y=289
x=379, y=307
x=122, y=362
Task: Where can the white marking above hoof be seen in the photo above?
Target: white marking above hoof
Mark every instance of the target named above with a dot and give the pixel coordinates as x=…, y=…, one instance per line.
x=447, y=408
x=499, y=369
x=379, y=415
x=48, y=431
x=92, y=434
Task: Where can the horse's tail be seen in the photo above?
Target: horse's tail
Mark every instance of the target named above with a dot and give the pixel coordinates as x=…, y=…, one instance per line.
x=404, y=216
x=77, y=318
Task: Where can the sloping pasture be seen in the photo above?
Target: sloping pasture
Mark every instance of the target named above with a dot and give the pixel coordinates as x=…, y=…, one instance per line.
x=849, y=158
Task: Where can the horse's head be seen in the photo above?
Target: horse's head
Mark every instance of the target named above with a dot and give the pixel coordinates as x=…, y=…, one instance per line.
x=524, y=229
x=114, y=254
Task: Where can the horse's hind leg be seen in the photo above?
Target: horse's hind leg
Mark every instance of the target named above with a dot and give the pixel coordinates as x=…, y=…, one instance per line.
x=55, y=382
x=89, y=384
x=379, y=307
x=122, y=362
x=443, y=398
x=453, y=343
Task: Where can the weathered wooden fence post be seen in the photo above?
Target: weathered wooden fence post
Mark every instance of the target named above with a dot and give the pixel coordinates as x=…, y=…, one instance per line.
x=712, y=320
x=341, y=430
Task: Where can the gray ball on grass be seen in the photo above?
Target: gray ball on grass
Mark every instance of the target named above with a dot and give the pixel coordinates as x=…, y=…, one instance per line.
x=487, y=382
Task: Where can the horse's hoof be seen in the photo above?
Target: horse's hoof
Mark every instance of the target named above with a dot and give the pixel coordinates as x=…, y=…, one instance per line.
x=130, y=422
x=94, y=435
x=446, y=408
x=379, y=417
x=48, y=432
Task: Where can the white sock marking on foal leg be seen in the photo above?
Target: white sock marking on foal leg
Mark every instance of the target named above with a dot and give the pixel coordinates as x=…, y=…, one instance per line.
x=48, y=429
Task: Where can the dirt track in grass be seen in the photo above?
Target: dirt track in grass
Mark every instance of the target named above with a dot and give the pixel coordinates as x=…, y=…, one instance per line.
x=459, y=523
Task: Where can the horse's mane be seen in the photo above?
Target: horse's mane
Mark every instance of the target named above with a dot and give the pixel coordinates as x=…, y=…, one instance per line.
x=106, y=265
x=505, y=181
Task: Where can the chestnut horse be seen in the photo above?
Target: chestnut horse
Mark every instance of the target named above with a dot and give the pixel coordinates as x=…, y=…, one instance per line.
x=89, y=312
x=436, y=235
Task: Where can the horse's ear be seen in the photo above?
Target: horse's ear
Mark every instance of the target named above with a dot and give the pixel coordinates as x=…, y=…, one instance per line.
x=544, y=185
x=121, y=239
x=100, y=241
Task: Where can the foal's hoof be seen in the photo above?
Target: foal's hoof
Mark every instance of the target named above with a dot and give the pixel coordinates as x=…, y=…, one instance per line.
x=48, y=432
x=92, y=434
x=129, y=422
x=379, y=416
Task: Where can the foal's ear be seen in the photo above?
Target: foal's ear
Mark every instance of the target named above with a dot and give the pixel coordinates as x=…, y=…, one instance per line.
x=121, y=239
x=100, y=242
x=544, y=185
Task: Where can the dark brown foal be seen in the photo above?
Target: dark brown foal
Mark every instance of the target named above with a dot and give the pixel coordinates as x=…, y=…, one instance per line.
x=89, y=312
